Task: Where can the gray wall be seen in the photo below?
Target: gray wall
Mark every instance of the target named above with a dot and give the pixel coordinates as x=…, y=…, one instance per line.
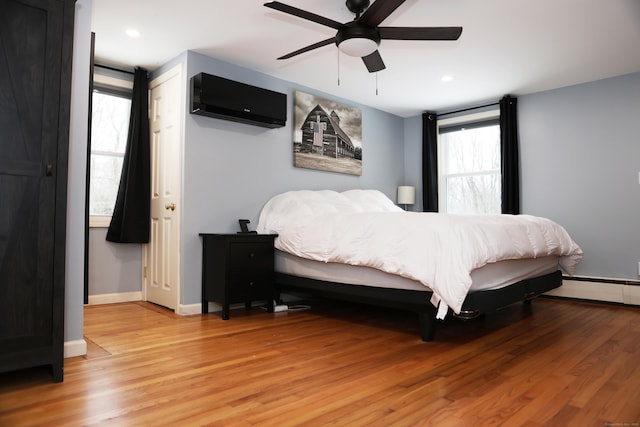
x=580, y=156
x=113, y=267
x=231, y=169
x=580, y=159
x=74, y=275
x=413, y=158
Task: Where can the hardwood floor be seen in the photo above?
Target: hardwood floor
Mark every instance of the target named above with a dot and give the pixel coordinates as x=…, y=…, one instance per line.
x=557, y=363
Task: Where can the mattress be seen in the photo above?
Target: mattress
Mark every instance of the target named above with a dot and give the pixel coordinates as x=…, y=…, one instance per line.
x=491, y=276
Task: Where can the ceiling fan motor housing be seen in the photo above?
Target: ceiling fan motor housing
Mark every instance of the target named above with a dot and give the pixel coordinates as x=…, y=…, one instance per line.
x=357, y=6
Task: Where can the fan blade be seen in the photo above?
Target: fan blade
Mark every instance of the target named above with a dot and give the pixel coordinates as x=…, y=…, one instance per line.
x=420, y=33
x=373, y=62
x=308, y=48
x=378, y=12
x=304, y=14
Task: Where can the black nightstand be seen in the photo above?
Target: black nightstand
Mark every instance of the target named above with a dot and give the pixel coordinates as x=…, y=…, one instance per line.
x=237, y=268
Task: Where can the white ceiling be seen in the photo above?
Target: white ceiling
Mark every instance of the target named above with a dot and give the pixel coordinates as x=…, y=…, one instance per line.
x=506, y=47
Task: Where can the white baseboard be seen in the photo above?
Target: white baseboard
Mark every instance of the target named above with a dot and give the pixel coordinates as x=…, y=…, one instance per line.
x=598, y=291
x=183, y=309
x=75, y=348
x=189, y=309
x=115, y=298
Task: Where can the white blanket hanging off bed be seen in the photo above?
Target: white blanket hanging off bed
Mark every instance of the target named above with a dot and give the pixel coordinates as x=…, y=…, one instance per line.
x=364, y=227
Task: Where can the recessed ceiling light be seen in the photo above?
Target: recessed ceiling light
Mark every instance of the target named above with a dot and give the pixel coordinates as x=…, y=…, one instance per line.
x=447, y=78
x=132, y=33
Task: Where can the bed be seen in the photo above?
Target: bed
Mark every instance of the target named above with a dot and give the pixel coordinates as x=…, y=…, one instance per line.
x=358, y=245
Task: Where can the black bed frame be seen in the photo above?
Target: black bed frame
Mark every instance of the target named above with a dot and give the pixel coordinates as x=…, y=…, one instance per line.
x=476, y=302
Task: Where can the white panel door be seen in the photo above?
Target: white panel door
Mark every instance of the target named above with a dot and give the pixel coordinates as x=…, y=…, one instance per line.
x=161, y=256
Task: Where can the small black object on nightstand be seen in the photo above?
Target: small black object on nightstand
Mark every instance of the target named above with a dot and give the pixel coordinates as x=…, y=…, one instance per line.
x=244, y=227
x=237, y=268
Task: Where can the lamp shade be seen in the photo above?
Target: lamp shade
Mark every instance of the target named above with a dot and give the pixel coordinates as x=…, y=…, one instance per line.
x=406, y=195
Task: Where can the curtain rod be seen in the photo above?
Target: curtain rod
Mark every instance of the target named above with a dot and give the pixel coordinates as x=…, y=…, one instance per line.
x=107, y=67
x=468, y=109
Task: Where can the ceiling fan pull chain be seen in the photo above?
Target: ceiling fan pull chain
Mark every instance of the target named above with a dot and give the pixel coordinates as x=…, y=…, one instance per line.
x=338, y=67
x=376, y=83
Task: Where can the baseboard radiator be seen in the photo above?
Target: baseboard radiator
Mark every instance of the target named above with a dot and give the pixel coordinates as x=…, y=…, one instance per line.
x=599, y=289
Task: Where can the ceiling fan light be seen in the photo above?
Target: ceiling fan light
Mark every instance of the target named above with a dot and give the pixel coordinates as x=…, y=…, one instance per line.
x=358, y=46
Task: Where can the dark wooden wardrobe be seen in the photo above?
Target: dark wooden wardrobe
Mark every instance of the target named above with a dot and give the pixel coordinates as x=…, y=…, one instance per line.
x=36, y=40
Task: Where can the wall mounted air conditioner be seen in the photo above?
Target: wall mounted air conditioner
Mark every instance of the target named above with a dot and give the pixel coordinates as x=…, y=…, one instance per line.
x=214, y=96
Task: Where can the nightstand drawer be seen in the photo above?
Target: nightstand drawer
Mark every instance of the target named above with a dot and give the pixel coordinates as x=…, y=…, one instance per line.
x=249, y=286
x=250, y=256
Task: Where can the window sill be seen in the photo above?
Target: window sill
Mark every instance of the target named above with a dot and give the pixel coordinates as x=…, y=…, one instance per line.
x=96, y=221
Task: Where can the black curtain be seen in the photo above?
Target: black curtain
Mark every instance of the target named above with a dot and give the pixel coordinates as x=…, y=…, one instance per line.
x=130, y=222
x=510, y=155
x=429, y=162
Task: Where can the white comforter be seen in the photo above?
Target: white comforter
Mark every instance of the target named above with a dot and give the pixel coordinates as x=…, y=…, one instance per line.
x=364, y=227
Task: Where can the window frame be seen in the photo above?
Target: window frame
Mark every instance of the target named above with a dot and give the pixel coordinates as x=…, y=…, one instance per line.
x=115, y=86
x=458, y=122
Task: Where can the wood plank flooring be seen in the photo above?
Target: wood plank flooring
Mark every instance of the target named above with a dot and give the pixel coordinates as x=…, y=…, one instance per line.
x=556, y=363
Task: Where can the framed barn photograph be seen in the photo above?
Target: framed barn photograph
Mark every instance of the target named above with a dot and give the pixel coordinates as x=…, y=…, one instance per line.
x=327, y=135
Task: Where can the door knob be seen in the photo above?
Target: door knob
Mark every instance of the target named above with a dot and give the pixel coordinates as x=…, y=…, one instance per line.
x=171, y=206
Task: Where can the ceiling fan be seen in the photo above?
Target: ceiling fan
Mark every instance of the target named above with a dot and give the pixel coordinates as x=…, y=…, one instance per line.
x=362, y=36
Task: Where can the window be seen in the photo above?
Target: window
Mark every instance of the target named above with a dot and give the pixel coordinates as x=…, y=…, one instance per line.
x=111, y=105
x=469, y=164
